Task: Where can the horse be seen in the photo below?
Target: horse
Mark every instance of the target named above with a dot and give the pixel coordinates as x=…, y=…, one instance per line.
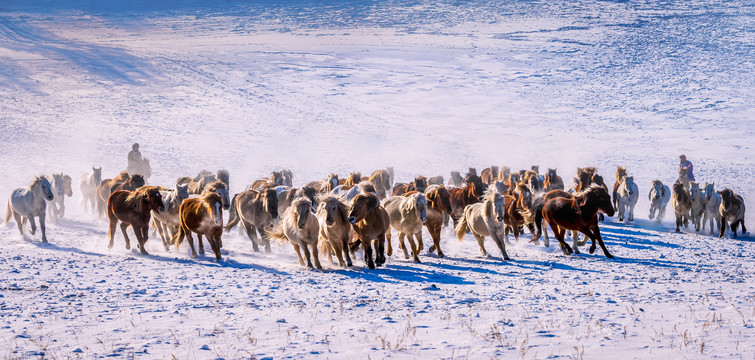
x=104, y=189
x=27, y=203
x=205, y=178
x=168, y=221
x=133, y=208
x=538, y=203
x=463, y=196
x=712, y=204
x=220, y=188
x=681, y=203
x=88, y=186
x=419, y=184
x=256, y=211
x=276, y=179
x=435, y=180
x=287, y=195
x=455, y=180
x=532, y=179
x=501, y=186
x=489, y=175
x=598, y=180
x=504, y=173
x=332, y=215
x=299, y=226
x=584, y=178
x=370, y=222
x=732, y=210
x=552, y=181
x=471, y=174
x=628, y=194
x=61, y=187
x=438, y=208
x=348, y=193
x=514, y=209
x=288, y=177
x=131, y=184
x=407, y=214
x=391, y=174
x=203, y=216
x=352, y=180
x=381, y=180
x=659, y=197
x=683, y=178
x=485, y=219
x=579, y=213
x=512, y=181
x=697, y=204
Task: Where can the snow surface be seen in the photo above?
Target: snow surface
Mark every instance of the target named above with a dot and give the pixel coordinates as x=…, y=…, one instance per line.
x=426, y=87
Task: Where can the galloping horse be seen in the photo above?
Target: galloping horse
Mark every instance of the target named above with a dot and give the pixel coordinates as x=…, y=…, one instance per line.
x=88, y=186
x=370, y=222
x=681, y=203
x=659, y=197
x=515, y=206
x=489, y=175
x=299, y=227
x=552, y=181
x=732, y=211
x=579, y=213
x=332, y=215
x=256, y=210
x=697, y=204
x=381, y=180
x=203, y=216
x=168, y=221
x=419, y=184
x=61, y=187
x=133, y=208
x=463, y=196
x=104, y=189
x=131, y=184
x=712, y=205
x=485, y=219
x=438, y=207
x=27, y=203
x=407, y=214
x=455, y=180
x=628, y=194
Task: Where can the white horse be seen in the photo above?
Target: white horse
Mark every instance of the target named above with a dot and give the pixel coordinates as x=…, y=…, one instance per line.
x=484, y=219
x=712, y=205
x=88, y=186
x=25, y=204
x=659, y=197
x=407, y=214
x=168, y=220
x=61, y=187
x=628, y=196
x=698, y=204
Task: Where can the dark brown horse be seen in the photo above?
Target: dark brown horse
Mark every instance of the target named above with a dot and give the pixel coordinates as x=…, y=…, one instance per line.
x=532, y=179
x=133, y=208
x=256, y=211
x=579, y=213
x=512, y=182
x=131, y=184
x=419, y=184
x=438, y=207
x=489, y=175
x=463, y=196
x=203, y=216
x=370, y=222
x=104, y=189
x=552, y=181
x=732, y=211
x=584, y=178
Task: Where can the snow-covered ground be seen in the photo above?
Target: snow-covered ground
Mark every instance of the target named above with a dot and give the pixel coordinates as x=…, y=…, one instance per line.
x=425, y=87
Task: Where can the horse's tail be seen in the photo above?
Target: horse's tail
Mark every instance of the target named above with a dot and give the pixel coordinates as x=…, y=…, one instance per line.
x=277, y=234
x=462, y=227
x=538, y=222
x=234, y=217
x=178, y=237
x=528, y=216
x=8, y=213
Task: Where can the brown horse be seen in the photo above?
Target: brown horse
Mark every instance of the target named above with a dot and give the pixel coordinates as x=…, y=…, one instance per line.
x=733, y=211
x=353, y=179
x=512, y=182
x=584, y=178
x=203, y=216
x=131, y=184
x=218, y=187
x=579, y=213
x=133, y=208
x=436, y=180
x=514, y=207
x=552, y=181
x=276, y=179
x=104, y=189
x=681, y=202
x=489, y=175
x=381, y=180
x=438, y=207
x=256, y=211
x=537, y=216
x=532, y=179
x=463, y=196
x=370, y=222
x=504, y=173
x=621, y=172
x=332, y=215
x=455, y=180
x=419, y=184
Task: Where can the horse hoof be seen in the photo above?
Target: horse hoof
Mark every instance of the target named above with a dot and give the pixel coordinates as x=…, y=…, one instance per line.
x=441, y=255
x=416, y=260
x=610, y=256
x=33, y=231
x=432, y=248
x=592, y=250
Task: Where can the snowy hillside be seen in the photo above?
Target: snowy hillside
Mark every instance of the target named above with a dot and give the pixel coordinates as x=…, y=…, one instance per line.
x=425, y=87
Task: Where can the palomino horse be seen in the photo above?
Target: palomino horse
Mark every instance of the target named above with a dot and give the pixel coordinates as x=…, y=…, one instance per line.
x=256, y=211
x=484, y=219
x=435, y=180
x=299, y=226
x=697, y=204
x=659, y=197
x=489, y=175
x=419, y=184
x=105, y=188
x=463, y=196
x=552, y=181
x=579, y=213
x=438, y=207
x=88, y=186
x=203, y=216
x=381, y=180
x=27, y=203
x=455, y=180
x=683, y=178
x=370, y=222
x=712, y=205
x=681, y=203
x=732, y=211
x=407, y=214
x=628, y=194
x=133, y=208
x=332, y=215
x=168, y=221
x=61, y=187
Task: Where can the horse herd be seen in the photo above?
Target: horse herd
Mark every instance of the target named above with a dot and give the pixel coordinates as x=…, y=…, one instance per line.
x=336, y=216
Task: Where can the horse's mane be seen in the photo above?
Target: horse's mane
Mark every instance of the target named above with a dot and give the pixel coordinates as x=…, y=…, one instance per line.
x=620, y=171
x=300, y=200
x=136, y=198
x=212, y=197
x=36, y=181
x=122, y=177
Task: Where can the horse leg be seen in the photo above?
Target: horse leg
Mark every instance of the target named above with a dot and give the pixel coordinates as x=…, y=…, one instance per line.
x=679, y=222
x=481, y=244
x=596, y=235
x=304, y=248
x=367, y=253
x=297, y=248
x=190, y=239
x=401, y=244
x=200, y=243
x=214, y=240
x=435, y=234
x=501, y=246
x=723, y=228
x=19, y=223
x=33, y=225
x=390, y=246
x=125, y=235
x=142, y=233
x=42, y=226
x=265, y=240
x=415, y=247
x=546, y=241
x=744, y=229
x=251, y=233
x=159, y=226
x=559, y=233
x=734, y=226
x=651, y=215
x=345, y=249
x=380, y=250
x=506, y=230
x=575, y=241
x=516, y=234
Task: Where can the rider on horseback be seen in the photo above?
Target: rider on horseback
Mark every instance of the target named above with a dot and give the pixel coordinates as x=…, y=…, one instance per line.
x=686, y=164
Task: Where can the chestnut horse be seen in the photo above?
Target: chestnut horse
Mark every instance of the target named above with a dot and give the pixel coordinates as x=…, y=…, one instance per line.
x=105, y=188
x=732, y=211
x=131, y=184
x=515, y=208
x=438, y=207
x=370, y=222
x=579, y=213
x=332, y=215
x=681, y=203
x=256, y=211
x=203, y=216
x=552, y=181
x=463, y=196
x=133, y=208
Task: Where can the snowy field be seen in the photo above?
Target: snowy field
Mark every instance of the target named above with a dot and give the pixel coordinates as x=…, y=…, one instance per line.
x=426, y=87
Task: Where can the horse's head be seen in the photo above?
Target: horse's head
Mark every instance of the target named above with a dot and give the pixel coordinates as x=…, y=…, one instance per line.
x=536, y=169
x=656, y=190
x=224, y=176
x=270, y=201
x=57, y=184
x=219, y=188
x=683, y=175
x=310, y=193
x=332, y=181
x=97, y=175
x=440, y=199
x=277, y=178
x=495, y=204
x=361, y=205
x=514, y=178
x=709, y=190
x=621, y=171
x=525, y=195
x=679, y=191
x=597, y=179
x=182, y=191
x=504, y=172
x=600, y=197
x=136, y=181
x=67, y=185
x=42, y=185
x=551, y=175
x=333, y=208
x=727, y=198
x=214, y=202
x=694, y=190
x=288, y=177
x=416, y=202
x=629, y=185
x=420, y=183
x=302, y=209
x=154, y=199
